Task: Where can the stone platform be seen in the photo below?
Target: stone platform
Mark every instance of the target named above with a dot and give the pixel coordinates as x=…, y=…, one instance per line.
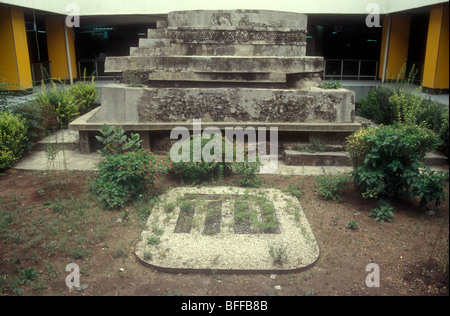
x=234, y=68
x=227, y=230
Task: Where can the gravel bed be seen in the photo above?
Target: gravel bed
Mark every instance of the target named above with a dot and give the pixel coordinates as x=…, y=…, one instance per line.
x=290, y=245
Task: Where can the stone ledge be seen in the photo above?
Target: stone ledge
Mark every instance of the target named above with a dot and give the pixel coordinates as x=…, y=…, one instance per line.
x=242, y=64
x=297, y=158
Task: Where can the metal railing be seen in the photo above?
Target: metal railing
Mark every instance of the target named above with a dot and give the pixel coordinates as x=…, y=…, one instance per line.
x=355, y=69
x=95, y=68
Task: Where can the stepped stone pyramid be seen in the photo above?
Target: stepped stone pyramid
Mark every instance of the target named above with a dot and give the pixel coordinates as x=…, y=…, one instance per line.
x=227, y=68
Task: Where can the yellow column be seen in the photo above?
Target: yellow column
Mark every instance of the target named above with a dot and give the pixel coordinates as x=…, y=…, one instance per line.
x=436, y=73
x=57, y=49
x=15, y=69
x=398, y=42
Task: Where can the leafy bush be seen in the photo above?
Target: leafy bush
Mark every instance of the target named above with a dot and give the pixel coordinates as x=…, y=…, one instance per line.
x=13, y=139
x=248, y=172
x=387, y=159
x=34, y=119
x=388, y=105
x=377, y=106
x=85, y=94
x=197, y=171
x=384, y=212
x=116, y=141
x=330, y=187
x=122, y=177
x=428, y=186
x=59, y=103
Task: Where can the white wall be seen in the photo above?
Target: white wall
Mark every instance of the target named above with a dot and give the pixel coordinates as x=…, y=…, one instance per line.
x=121, y=7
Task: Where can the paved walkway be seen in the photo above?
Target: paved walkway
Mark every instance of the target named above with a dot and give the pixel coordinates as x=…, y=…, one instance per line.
x=74, y=160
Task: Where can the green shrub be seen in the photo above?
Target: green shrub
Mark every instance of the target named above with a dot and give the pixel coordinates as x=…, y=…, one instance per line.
x=34, y=119
x=248, y=172
x=84, y=94
x=116, y=141
x=59, y=103
x=377, y=106
x=13, y=139
x=428, y=186
x=387, y=159
x=330, y=187
x=198, y=171
x=122, y=177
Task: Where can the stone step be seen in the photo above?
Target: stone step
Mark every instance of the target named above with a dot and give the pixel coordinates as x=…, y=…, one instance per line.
x=218, y=77
x=240, y=64
x=157, y=33
x=161, y=24
x=327, y=147
x=190, y=49
x=58, y=141
x=435, y=159
x=341, y=158
x=154, y=42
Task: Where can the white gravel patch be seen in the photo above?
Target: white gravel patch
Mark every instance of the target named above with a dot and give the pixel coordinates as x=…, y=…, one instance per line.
x=226, y=250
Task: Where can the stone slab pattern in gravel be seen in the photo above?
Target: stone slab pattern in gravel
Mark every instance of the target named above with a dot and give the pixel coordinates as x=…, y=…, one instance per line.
x=227, y=229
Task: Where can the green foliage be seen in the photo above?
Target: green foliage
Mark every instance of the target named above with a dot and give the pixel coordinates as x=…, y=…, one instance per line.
x=384, y=212
x=428, y=186
x=387, y=159
x=377, y=106
x=122, y=177
x=192, y=171
x=316, y=146
x=330, y=187
x=116, y=141
x=331, y=85
x=13, y=138
x=34, y=121
x=248, y=172
x=395, y=105
x=59, y=102
x=85, y=94
x=352, y=224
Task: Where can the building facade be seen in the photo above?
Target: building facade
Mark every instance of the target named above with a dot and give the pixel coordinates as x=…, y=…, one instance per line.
x=360, y=40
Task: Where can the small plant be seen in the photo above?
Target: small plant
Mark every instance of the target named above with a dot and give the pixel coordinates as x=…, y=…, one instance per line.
x=352, y=225
x=278, y=254
x=248, y=172
x=316, y=146
x=331, y=85
x=116, y=141
x=330, y=187
x=384, y=212
x=27, y=275
x=169, y=207
x=295, y=190
x=153, y=240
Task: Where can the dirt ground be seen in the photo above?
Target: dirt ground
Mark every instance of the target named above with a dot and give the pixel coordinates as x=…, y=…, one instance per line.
x=42, y=233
